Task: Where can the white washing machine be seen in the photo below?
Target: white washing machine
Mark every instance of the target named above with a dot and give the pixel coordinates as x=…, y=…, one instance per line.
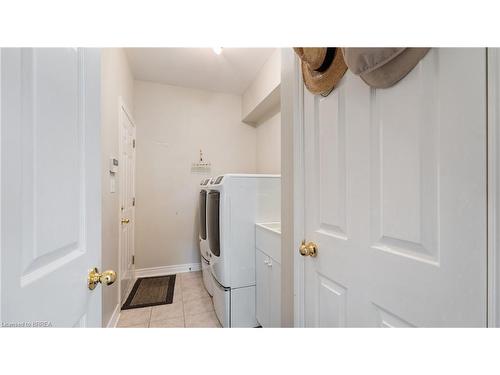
x=204, y=250
x=235, y=202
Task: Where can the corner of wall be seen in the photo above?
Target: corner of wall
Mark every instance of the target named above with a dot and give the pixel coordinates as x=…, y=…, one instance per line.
x=116, y=82
x=263, y=86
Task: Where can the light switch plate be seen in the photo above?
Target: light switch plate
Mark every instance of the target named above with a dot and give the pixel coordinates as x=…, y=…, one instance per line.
x=112, y=184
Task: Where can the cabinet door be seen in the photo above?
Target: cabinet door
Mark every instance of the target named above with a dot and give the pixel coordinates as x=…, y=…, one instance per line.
x=274, y=293
x=262, y=288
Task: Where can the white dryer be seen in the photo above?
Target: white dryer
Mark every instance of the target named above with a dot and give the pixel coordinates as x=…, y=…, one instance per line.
x=235, y=202
x=204, y=250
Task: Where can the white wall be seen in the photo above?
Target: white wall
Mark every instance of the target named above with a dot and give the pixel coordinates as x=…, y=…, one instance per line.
x=116, y=82
x=173, y=123
x=268, y=145
x=261, y=107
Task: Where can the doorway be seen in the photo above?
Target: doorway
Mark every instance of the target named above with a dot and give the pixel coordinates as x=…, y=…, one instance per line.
x=126, y=191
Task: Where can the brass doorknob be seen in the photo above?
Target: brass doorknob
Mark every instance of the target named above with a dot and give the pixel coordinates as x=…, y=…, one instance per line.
x=125, y=221
x=308, y=249
x=95, y=277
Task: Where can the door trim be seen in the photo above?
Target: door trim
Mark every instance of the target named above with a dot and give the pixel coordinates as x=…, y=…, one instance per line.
x=292, y=189
x=1, y=173
x=493, y=185
x=123, y=109
x=113, y=321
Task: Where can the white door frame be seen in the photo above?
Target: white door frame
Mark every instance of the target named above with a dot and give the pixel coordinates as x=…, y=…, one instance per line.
x=292, y=190
x=493, y=84
x=123, y=110
x=292, y=128
x=0, y=185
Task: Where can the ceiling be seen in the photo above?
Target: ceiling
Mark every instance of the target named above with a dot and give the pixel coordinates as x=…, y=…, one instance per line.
x=232, y=71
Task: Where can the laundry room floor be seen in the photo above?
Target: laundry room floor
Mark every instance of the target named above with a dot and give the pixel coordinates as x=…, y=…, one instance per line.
x=192, y=307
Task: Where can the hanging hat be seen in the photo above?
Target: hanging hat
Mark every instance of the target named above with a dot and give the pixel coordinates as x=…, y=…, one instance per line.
x=322, y=68
x=382, y=67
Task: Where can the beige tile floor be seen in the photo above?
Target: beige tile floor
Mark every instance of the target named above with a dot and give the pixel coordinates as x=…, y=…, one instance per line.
x=192, y=307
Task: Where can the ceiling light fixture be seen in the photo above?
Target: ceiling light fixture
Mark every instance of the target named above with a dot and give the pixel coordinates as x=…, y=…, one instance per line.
x=217, y=50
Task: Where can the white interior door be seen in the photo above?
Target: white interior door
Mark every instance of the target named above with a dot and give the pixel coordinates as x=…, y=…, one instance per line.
x=395, y=198
x=127, y=201
x=51, y=197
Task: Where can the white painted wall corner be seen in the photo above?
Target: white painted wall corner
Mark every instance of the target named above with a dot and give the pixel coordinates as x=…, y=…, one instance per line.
x=113, y=321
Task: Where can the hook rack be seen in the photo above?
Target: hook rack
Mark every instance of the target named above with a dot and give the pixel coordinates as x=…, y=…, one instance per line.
x=201, y=166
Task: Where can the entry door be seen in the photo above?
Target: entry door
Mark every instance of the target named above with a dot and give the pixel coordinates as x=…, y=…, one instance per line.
x=51, y=191
x=127, y=201
x=395, y=198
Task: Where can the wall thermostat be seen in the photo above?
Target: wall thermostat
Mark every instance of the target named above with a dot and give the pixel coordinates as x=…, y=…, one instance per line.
x=113, y=165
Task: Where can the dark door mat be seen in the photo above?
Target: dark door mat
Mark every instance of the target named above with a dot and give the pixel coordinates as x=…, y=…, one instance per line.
x=151, y=291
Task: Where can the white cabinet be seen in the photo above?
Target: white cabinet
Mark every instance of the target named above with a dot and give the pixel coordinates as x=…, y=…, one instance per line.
x=274, y=293
x=261, y=289
x=268, y=290
x=268, y=275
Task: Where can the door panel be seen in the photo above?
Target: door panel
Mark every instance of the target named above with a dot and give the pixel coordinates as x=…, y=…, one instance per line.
x=54, y=235
x=404, y=165
x=396, y=198
x=331, y=146
x=50, y=185
x=389, y=320
x=331, y=303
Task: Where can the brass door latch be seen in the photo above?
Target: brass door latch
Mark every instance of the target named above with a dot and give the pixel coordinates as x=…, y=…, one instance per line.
x=308, y=249
x=95, y=277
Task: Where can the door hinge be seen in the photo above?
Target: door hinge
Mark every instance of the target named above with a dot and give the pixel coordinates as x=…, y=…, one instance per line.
x=133, y=143
x=133, y=201
x=133, y=259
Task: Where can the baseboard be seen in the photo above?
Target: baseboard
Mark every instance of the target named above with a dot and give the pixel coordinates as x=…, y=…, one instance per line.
x=167, y=270
x=114, y=317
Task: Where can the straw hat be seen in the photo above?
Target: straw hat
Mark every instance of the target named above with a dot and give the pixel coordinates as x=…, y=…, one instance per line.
x=382, y=67
x=322, y=68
